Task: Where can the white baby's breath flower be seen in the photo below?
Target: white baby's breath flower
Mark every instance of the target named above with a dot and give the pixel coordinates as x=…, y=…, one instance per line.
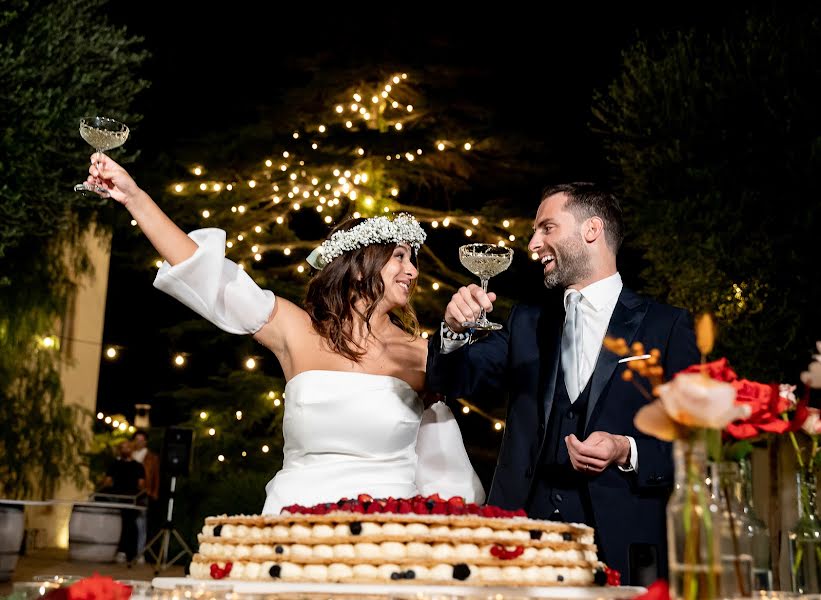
x=376, y=230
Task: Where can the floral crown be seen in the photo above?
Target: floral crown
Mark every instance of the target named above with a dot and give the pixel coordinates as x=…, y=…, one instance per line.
x=403, y=228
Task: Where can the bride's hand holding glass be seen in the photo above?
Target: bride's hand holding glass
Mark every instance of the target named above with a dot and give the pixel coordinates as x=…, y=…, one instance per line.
x=112, y=180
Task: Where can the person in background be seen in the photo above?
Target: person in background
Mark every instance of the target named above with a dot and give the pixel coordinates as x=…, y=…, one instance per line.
x=125, y=477
x=151, y=464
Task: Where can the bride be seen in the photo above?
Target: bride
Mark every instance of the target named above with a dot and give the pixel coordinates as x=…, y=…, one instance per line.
x=354, y=422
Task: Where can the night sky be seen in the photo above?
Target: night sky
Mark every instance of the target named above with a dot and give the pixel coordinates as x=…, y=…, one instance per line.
x=217, y=69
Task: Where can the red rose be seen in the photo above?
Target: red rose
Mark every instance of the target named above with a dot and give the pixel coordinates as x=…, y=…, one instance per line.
x=658, y=590
x=766, y=406
x=98, y=587
x=718, y=369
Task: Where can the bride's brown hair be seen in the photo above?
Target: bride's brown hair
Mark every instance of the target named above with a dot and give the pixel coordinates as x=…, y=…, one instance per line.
x=334, y=291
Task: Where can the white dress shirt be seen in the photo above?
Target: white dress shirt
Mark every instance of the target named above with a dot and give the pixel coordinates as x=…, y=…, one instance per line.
x=597, y=304
x=139, y=455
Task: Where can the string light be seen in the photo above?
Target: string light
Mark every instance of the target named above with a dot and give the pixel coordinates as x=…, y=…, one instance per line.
x=468, y=408
x=117, y=423
x=250, y=364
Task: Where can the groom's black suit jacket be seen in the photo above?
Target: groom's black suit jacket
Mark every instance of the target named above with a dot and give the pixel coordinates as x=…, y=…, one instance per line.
x=522, y=361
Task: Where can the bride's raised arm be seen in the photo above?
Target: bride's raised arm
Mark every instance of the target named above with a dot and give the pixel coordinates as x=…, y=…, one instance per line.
x=196, y=271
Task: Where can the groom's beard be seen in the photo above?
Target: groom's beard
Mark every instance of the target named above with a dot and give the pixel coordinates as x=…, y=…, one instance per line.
x=572, y=263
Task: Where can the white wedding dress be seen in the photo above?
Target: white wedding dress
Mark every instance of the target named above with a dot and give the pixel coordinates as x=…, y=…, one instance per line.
x=349, y=433
x=346, y=433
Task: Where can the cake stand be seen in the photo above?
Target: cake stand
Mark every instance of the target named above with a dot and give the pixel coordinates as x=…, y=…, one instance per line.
x=410, y=591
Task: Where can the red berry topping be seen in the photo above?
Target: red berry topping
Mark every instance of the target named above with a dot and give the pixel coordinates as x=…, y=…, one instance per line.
x=218, y=572
x=503, y=553
x=613, y=576
x=440, y=508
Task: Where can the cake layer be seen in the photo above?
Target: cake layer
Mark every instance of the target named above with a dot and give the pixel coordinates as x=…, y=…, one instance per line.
x=459, y=574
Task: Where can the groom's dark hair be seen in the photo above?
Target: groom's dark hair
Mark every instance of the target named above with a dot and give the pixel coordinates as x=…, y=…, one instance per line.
x=587, y=200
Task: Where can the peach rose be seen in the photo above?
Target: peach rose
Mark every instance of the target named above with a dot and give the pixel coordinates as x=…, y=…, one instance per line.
x=812, y=424
x=690, y=400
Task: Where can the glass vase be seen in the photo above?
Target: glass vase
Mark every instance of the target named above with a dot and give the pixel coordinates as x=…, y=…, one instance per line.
x=805, y=537
x=694, y=521
x=756, y=528
x=737, y=541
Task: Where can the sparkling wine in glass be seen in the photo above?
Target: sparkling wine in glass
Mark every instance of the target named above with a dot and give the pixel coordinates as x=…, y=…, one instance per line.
x=484, y=261
x=102, y=134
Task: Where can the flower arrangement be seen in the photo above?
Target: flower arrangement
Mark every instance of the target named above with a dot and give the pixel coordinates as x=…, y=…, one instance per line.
x=695, y=410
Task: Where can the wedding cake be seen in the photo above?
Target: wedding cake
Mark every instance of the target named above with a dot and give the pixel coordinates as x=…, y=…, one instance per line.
x=421, y=540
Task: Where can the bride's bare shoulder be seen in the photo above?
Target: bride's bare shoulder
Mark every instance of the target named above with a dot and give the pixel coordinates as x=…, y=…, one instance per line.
x=287, y=321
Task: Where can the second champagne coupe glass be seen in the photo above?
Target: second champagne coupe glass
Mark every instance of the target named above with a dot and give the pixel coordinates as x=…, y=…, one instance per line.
x=485, y=261
x=102, y=134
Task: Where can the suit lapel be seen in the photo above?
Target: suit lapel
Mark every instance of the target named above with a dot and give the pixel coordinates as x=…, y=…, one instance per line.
x=627, y=317
x=550, y=342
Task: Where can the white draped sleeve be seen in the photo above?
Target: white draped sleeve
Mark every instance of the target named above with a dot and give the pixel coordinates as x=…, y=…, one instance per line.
x=443, y=466
x=215, y=287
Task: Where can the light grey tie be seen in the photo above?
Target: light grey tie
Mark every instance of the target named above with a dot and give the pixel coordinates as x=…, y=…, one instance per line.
x=572, y=344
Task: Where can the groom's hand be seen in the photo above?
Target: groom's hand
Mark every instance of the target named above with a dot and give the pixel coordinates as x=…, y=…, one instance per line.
x=466, y=304
x=598, y=451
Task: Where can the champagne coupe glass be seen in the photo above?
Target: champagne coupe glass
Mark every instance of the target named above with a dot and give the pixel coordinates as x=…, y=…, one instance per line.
x=102, y=134
x=484, y=261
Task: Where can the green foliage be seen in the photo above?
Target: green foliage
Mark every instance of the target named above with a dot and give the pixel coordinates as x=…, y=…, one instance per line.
x=716, y=139
x=58, y=61
x=41, y=439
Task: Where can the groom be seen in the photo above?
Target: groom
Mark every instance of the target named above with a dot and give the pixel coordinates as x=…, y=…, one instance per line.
x=570, y=451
